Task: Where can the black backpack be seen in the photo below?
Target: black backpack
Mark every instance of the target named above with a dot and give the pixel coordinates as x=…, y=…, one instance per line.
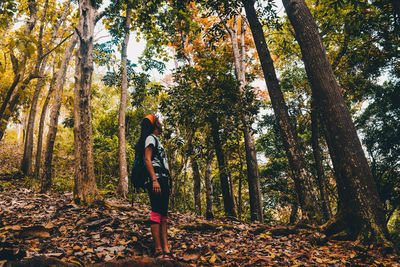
x=139, y=173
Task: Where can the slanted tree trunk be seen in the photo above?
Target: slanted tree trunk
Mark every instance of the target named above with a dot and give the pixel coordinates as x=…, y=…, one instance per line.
x=223, y=176
x=209, y=187
x=41, y=126
x=196, y=186
x=19, y=71
x=123, y=169
x=256, y=213
x=303, y=186
x=321, y=178
x=26, y=163
x=85, y=188
x=54, y=114
x=362, y=214
x=41, y=62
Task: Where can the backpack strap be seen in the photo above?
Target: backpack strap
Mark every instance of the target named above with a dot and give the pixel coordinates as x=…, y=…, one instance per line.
x=158, y=152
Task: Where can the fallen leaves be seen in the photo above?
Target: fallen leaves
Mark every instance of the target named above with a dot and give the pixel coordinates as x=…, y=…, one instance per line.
x=54, y=227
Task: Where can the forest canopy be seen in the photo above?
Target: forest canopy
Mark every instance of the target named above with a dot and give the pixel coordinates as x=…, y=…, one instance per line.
x=273, y=111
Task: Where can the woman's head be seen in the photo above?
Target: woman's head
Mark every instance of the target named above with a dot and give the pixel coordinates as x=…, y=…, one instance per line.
x=148, y=126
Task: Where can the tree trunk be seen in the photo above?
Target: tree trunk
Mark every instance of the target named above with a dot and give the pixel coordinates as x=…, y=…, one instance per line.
x=196, y=186
x=85, y=189
x=26, y=164
x=54, y=114
x=321, y=178
x=41, y=126
x=226, y=194
x=209, y=187
x=362, y=213
x=253, y=179
x=240, y=200
x=303, y=186
x=123, y=169
x=40, y=66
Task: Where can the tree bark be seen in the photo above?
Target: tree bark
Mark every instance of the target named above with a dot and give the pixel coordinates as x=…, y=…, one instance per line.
x=303, y=186
x=54, y=114
x=226, y=194
x=209, y=187
x=362, y=212
x=123, y=169
x=41, y=127
x=321, y=178
x=196, y=186
x=253, y=180
x=85, y=188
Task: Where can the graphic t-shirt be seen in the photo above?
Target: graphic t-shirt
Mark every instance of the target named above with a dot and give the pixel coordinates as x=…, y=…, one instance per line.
x=158, y=159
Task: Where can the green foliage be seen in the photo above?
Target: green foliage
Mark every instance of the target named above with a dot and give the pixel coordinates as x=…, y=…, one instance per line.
x=380, y=125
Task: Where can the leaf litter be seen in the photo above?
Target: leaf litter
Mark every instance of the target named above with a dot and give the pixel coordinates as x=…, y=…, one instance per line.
x=50, y=225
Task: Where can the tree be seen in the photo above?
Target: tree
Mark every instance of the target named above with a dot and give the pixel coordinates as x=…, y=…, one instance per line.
x=304, y=190
x=41, y=64
x=123, y=169
x=55, y=113
x=362, y=213
x=11, y=99
x=85, y=188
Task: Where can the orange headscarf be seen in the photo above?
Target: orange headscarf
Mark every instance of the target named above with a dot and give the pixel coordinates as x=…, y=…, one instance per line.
x=151, y=118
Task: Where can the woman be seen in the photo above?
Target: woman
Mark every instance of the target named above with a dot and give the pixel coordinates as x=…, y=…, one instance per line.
x=159, y=182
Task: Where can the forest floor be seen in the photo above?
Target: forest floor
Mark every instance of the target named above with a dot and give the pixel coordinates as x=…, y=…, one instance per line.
x=34, y=224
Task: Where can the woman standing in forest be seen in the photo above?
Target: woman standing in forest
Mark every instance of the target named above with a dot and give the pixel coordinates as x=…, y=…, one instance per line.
x=159, y=182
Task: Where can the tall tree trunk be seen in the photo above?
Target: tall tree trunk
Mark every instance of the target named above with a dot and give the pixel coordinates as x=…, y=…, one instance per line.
x=321, y=178
x=26, y=163
x=240, y=201
x=362, y=213
x=209, y=187
x=85, y=189
x=226, y=194
x=253, y=180
x=303, y=186
x=196, y=186
x=123, y=169
x=41, y=126
x=19, y=71
x=54, y=114
x=41, y=62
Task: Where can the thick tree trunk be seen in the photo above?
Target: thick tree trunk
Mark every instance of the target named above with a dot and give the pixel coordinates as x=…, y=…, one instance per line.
x=253, y=179
x=209, y=188
x=303, y=186
x=226, y=194
x=41, y=127
x=196, y=186
x=123, y=169
x=85, y=188
x=54, y=114
x=362, y=212
x=321, y=178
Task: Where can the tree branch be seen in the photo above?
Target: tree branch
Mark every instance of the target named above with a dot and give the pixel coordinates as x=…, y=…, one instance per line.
x=65, y=39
